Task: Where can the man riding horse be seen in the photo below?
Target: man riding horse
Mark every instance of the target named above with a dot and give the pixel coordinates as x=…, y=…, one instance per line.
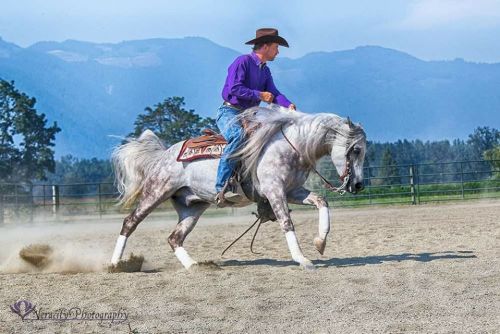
x=248, y=82
x=277, y=157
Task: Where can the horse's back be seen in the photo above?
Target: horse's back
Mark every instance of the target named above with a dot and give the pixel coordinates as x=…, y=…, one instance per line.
x=199, y=175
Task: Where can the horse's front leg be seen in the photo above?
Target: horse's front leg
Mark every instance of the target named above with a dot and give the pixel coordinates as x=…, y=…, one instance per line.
x=277, y=200
x=307, y=197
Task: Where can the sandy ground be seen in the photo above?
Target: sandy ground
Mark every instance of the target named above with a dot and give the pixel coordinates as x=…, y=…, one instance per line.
x=421, y=269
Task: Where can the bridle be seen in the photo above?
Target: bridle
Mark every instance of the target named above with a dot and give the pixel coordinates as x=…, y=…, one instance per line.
x=344, y=178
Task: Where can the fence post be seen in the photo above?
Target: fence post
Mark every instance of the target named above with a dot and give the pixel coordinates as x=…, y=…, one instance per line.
x=369, y=186
x=462, y=179
x=100, y=203
x=416, y=177
x=412, y=185
x=55, y=199
x=32, y=203
x=1, y=209
x=16, y=198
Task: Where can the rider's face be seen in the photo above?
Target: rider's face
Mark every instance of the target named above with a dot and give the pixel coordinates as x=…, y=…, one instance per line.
x=271, y=51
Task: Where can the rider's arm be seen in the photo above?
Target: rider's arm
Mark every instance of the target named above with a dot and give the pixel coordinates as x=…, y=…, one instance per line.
x=278, y=97
x=236, y=81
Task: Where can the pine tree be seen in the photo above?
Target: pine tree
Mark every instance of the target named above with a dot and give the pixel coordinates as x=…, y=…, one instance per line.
x=26, y=142
x=493, y=155
x=389, y=169
x=483, y=139
x=171, y=122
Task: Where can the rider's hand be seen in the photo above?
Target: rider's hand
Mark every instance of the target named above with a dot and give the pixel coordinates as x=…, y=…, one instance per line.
x=266, y=97
x=292, y=107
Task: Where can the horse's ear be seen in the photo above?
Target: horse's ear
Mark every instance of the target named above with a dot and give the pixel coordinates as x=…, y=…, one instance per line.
x=349, y=122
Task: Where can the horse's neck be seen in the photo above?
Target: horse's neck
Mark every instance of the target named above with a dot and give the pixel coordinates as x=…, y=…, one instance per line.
x=310, y=140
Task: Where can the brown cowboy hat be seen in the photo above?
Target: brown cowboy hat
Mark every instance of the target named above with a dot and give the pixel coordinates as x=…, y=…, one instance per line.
x=268, y=35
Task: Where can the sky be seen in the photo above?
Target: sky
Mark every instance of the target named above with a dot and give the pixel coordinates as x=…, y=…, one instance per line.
x=427, y=29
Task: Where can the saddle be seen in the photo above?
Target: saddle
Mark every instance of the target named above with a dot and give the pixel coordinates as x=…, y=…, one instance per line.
x=211, y=146
x=208, y=146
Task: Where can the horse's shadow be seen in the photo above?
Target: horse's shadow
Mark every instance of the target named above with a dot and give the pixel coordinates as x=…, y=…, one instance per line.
x=359, y=261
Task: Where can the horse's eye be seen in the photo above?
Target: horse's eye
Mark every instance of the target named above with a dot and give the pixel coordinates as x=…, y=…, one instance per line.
x=356, y=150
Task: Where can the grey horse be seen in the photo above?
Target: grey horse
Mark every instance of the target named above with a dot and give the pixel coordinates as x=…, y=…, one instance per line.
x=278, y=158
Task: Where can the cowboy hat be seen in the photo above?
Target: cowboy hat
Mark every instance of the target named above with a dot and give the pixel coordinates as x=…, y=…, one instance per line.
x=267, y=35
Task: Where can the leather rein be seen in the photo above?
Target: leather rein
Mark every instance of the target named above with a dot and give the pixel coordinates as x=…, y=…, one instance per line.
x=344, y=178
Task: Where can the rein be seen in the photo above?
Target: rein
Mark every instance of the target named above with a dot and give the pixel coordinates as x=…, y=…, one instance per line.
x=344, y=178
x=260, y=220
x=248, y=229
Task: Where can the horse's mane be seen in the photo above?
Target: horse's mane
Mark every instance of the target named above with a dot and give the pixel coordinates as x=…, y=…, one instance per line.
x=268, y=121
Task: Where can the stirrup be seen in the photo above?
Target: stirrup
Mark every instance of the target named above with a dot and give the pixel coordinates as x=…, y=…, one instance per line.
x=226, y=195
x=223, y=199
x=232, y=197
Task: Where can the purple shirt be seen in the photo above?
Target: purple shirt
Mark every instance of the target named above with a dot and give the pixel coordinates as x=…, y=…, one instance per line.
x=246, y=78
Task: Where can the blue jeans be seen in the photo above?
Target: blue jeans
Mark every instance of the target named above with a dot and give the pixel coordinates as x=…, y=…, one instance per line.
x=234, y=135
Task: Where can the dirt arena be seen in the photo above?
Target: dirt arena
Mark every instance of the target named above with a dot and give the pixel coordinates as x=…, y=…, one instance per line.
x=409, y=269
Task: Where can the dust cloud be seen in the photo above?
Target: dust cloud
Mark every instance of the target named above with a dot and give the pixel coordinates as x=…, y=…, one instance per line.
x=52, y=248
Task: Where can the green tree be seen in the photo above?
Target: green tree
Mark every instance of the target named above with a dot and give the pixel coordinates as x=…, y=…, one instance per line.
x=483, y=139
x=70, y=169
x=26, y=141
x=75, y=173
x=493, y=155
x=389, y=170
x=171, y=122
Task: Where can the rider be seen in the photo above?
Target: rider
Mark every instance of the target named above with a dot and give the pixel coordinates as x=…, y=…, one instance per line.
x=248, y=82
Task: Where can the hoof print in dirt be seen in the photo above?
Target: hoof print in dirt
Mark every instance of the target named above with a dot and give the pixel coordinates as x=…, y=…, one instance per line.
x=132, y=265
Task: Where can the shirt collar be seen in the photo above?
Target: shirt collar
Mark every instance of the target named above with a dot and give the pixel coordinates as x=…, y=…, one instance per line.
x=256, y=59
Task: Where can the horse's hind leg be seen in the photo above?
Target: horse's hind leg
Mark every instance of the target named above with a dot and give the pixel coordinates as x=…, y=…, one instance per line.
x=147, y=203
x=188, y=217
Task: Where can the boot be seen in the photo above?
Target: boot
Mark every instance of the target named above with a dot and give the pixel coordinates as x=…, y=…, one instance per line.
x=227, y=196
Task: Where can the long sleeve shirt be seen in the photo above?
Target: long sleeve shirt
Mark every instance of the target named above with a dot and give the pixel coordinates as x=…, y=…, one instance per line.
x=246, y=78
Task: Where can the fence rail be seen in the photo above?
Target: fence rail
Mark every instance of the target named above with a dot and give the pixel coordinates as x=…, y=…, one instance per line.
x=424, y=183
x=404, y=184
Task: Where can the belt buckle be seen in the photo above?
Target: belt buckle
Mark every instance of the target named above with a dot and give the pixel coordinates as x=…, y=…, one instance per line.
x=230, y=105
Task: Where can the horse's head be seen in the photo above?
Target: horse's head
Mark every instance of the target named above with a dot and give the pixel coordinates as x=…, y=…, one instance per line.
x=348, y=155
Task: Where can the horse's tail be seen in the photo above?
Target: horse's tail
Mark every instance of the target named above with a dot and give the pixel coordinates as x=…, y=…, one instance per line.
x=131, y=163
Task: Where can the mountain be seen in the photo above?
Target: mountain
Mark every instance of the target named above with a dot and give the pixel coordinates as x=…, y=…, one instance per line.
x=96, y=90
x=396, y=95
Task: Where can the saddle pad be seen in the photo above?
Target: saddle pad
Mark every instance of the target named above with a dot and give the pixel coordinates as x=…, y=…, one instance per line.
x=209, y=146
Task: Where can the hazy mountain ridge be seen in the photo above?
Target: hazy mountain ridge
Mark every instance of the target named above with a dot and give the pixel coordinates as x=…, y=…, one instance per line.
x=95, y=90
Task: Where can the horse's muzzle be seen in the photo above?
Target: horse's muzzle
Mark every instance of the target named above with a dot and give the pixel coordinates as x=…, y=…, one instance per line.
x=359, y=186
x=356, y=188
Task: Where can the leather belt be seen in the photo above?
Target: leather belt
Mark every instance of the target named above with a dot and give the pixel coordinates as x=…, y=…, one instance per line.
x=231, y=105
